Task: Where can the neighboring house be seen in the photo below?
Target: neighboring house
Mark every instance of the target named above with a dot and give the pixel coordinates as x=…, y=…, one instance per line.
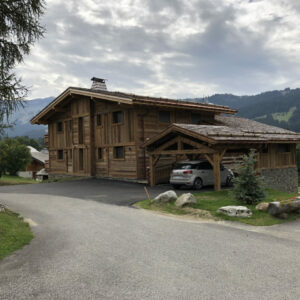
x=37, y=163
x=94, y=132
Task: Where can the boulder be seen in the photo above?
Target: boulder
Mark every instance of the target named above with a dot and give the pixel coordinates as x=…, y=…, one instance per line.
x=185, y=199
x=263, y=206
x=2, y=208
x=283, y=208
x=235, y=211
x=166, y=197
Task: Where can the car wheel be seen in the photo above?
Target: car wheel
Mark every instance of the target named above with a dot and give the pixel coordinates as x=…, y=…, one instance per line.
x=198, y=183
x=176, y=186
x=229, y=181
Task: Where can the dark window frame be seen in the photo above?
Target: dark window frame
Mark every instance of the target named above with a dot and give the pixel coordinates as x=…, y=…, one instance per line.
x=59, y=127
x=117, y=153
x=116, y=119
x=162, y=114
x=60, y=154
x=194, y=117
x=284, y=148
x=80, y=130
x=100, y=151
x=99, y=119
x=80, y=160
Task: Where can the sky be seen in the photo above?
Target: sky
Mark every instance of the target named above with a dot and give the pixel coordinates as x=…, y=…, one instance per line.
x=167, y=48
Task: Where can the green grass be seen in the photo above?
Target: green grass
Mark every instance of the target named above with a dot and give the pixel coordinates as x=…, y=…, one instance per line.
x=284, y=116
x=14, y=233
x=13, y=180
x=211, y=201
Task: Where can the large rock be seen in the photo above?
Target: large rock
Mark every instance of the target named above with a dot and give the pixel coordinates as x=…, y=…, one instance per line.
x=2, y=207
x=263, y=206
x=165, y=197
x=283, y=208
x=235, y=211
x=185, y=199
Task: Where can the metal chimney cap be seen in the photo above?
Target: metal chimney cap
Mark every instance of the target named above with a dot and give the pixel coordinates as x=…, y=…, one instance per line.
x=98, y=79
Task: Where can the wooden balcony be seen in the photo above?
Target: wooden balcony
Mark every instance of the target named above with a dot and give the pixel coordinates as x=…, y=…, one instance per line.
x=46, y=140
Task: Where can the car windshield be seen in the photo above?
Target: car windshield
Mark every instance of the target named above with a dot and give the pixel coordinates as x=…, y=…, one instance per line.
x=185, y=166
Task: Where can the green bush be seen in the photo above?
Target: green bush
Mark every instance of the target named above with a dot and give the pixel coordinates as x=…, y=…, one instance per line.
x=13, y=156
x=247, y=186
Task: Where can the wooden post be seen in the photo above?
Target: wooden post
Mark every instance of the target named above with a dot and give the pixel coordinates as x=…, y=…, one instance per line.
x=151, y=170
x=217, y=175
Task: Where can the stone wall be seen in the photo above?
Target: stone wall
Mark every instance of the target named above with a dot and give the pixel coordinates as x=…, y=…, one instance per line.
x=282, y=179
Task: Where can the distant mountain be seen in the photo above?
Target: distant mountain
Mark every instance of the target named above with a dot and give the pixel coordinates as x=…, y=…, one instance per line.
x=278, y=108
x=21, y=118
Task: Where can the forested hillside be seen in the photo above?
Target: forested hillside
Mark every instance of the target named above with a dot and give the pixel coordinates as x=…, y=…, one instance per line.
x=279, y=108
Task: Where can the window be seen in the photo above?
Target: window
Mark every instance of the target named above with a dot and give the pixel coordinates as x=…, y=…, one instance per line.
x=60, y=154
x=80, y=130
x=59, y=127
x=119, y=152
x=195, y=118
x=99, y=120
x=80, y=159
x=99, y=154
x=265, y=149
x=117, y=117
x=205, y=166
x=71, y=154
x=164, y=116
x=284, y=148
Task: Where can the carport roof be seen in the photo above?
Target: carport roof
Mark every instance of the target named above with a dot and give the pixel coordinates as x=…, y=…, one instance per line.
x=230, y=129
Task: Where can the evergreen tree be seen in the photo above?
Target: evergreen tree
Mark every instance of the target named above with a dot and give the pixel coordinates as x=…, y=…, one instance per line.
x=247, y=187
x=19, y=29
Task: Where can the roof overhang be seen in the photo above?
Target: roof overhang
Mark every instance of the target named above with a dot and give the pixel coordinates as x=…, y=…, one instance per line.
x=71, y=91
x=176, y=129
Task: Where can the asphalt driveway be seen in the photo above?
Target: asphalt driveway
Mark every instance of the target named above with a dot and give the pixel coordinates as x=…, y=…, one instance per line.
x=87, y=249
x=101, y=190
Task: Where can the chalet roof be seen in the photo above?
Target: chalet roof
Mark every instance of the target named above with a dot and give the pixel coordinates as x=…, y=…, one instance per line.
x=37, y=155
x=131, y=99
x=231, y=129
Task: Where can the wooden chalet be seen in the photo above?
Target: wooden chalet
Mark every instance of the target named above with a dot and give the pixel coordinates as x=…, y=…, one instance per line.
x=95, y=132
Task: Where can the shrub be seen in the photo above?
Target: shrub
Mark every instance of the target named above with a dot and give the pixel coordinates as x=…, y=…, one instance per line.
x=13, y=156
x=247, y=186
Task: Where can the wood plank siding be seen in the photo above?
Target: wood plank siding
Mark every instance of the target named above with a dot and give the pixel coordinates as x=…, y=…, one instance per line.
x=83, y=137
x=118, y=135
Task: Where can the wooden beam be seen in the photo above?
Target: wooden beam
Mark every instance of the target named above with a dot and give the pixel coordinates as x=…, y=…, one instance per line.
x=195, y=144
x=222, y=154
x=168, y=144
x=151, y=171
x=217, y=174
x=174, y=152
x=209, y=159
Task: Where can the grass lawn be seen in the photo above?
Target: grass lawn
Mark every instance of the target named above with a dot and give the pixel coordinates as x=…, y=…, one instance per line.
x=14, y=233
x=13, y=180
x=211, y=201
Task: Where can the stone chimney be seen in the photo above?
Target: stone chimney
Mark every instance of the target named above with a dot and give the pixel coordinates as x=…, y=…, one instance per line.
x=98, y=84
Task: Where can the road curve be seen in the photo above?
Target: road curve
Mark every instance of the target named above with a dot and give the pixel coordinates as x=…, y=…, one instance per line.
x=85, y=249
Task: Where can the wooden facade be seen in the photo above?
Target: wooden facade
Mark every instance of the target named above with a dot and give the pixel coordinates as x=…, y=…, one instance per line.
x=117, y=135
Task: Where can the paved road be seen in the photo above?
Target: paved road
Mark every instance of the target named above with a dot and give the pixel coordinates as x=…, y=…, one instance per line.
x=86, y=249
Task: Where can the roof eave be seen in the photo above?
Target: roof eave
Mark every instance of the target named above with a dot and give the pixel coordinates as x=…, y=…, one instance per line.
x=69, y=91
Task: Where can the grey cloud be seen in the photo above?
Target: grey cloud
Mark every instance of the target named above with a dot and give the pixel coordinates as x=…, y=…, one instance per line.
x=230, y=57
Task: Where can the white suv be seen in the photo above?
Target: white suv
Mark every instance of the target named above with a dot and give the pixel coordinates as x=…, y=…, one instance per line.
x=198, y=173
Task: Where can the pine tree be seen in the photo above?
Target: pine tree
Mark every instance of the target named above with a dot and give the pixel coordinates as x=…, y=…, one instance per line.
x=19, y=29
x=248, y=188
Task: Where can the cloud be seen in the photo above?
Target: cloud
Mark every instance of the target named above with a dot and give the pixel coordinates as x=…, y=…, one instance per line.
x=167, y=47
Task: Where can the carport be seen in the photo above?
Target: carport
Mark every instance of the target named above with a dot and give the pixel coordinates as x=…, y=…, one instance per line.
x=232, y=137
x=179, y=142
